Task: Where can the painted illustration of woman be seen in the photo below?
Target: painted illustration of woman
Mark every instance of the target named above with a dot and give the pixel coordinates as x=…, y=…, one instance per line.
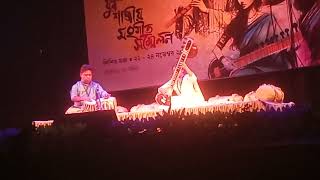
x=249, y=30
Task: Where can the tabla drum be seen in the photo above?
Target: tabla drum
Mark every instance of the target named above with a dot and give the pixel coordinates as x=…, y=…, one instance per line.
x=89, y=106
x=108, y=104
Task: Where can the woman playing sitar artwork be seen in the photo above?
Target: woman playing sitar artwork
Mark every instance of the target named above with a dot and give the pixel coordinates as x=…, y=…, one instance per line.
x=250, y=29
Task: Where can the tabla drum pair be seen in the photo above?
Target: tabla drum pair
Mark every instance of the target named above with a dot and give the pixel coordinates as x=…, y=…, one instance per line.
x=106, y=104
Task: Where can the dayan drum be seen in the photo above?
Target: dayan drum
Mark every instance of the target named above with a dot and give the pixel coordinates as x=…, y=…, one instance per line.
x=108, y=104
x=89, y=106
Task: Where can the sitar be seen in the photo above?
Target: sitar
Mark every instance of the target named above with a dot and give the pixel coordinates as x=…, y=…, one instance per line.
x=220, y=71
x=164, y=98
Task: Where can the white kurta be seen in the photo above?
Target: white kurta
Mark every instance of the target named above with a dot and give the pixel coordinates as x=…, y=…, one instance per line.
x=188, y=91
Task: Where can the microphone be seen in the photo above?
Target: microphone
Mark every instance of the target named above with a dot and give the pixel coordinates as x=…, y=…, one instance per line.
x=98, y=99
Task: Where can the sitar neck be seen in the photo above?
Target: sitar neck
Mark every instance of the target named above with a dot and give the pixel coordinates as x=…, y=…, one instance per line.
x=182, y=59
x=266, y=51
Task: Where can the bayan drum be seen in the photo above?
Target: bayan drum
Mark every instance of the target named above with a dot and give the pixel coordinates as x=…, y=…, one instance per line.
x=89, y=106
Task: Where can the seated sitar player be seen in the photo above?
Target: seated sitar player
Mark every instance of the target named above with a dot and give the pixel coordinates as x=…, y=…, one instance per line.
x=184, y=92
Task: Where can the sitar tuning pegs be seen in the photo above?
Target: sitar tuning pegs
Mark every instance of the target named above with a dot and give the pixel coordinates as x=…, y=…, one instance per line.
x=295, y=27
x=287, y=31
x=282, y=34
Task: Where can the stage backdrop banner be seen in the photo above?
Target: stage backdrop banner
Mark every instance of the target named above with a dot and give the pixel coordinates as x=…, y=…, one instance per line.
x=136, y=43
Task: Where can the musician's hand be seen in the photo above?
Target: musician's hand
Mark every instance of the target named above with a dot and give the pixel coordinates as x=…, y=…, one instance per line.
x=227, y=63
x=184, y=65
x=107, y=96
x=199, y=4
x=187, y=69
x=166, y=90
x=160, y=90
x=86, y=99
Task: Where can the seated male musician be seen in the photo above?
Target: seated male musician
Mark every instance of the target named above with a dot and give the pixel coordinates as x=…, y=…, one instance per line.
x=186, y=90
x=85, y=90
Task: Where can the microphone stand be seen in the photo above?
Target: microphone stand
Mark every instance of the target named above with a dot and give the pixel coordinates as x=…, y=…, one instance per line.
x=98, y=99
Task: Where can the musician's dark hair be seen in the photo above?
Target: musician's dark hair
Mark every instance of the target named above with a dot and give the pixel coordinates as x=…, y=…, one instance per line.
x=303, y=5
x=238, y=25
x=86, y=67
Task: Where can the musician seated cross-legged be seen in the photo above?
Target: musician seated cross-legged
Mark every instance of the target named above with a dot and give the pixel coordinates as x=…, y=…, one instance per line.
x=87, y=94
x=185, y=92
